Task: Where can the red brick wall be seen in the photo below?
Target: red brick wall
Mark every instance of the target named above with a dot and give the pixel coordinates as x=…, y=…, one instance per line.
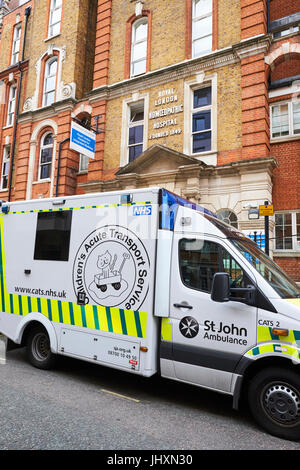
x=288, y=68
x=281, y=8
x=286, y=190
x=255, y=109
x=253, y=18
x=291, y=266
x=102, y=43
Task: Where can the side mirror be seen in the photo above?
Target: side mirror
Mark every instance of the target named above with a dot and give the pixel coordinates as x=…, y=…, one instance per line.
x=220, y=290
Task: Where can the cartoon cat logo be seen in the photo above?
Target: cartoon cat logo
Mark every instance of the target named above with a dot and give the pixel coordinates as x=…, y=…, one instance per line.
x=109, y=280
x=112, y=268
x=105, y=265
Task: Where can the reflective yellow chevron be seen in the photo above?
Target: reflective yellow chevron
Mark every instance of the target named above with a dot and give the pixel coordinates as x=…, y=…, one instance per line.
x=270, y=343
x=109, y=319
x=166, y=331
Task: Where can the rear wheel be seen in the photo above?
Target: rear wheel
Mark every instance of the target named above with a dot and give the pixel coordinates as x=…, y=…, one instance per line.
x=274, y=400
x=38, y=348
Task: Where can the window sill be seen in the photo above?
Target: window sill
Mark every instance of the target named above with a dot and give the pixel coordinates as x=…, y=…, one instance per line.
x=276, y=140
x=8, y=127
x=286, y=254
x=46, y=180
x=51, y=37
x=210, y=158
x=287, y=36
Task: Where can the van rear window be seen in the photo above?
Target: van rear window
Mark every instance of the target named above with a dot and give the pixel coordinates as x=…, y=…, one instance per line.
x=52, y=240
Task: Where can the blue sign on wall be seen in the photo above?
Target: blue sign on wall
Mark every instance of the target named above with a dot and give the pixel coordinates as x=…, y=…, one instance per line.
x=82, y=140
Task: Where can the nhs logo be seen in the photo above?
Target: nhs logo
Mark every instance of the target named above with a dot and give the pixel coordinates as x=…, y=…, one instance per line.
x=142, y=210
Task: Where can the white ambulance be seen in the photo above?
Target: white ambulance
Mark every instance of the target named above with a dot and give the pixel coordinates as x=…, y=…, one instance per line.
x=147, y=282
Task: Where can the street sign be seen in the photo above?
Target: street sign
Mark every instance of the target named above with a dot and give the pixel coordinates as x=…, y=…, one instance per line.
x=266, y=210
x=82, y=140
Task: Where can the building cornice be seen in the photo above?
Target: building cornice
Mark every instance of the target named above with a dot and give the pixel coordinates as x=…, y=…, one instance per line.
x=47, y=112
x=14, y=69
x=183, y=172
x=253, y=46
x=220, y=58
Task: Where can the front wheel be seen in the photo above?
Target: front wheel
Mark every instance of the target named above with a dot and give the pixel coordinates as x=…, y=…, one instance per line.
x=38, y=349
x=274, y=400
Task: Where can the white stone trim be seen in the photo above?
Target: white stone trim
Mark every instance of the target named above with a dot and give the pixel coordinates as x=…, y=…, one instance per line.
x=135, y=98
x=285, y=49
x=202, y=79
x=32, y=155
x=31, y=103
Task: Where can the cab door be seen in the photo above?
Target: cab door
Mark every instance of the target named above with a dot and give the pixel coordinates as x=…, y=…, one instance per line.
x=209, y=338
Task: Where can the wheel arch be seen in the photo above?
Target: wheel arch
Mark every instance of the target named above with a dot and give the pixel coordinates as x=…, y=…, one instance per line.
x=32, y=320
x=249, y=369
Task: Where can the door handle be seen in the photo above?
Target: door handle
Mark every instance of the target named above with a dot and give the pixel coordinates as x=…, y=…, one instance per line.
x=183, y=305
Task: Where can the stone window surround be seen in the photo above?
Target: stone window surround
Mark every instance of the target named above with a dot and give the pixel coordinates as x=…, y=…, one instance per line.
x=290, y=136
x=202, y=80
x=135, y=98
x=63, y=91
x=295, y=251
x=36, y=136
x=128, y=39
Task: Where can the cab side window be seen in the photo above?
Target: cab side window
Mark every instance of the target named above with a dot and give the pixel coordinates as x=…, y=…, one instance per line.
x=199, y=260
x=231, y=267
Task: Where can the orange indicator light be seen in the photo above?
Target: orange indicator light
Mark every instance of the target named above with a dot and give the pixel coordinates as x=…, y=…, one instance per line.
x=280, y=332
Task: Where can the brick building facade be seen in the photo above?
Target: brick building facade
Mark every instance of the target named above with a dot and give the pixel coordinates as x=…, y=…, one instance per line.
x=199, y=96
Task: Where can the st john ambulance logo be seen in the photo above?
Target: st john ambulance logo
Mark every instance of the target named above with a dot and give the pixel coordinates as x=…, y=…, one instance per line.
x=189, y=327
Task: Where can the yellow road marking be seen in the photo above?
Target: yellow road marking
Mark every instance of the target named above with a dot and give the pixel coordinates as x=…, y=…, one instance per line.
x=119, y=395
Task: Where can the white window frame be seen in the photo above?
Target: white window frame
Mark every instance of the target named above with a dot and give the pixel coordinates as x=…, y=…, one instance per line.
x=42, y=146
x=294, y=236
x=46, y=76
x=16, y=44
x=230, y=219
x=196, y=19
x=285, y=32
x=131, y=124
x=291, y=133
x=201, y=81
x=199, y=110
x=55, y=6
x=134, y=99
x=11, y=106
x=5, y=159
x=136, y=43
x=83, y=163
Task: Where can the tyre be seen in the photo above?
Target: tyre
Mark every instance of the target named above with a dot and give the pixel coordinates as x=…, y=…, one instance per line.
x=38, y=348
x=274, y=401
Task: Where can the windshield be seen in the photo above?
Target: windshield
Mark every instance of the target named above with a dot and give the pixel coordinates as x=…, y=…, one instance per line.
x=281, y=283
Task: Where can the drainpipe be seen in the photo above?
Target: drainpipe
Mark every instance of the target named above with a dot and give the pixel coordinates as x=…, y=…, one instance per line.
x=27, y=14
x=58, y=163
x=268, y=16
